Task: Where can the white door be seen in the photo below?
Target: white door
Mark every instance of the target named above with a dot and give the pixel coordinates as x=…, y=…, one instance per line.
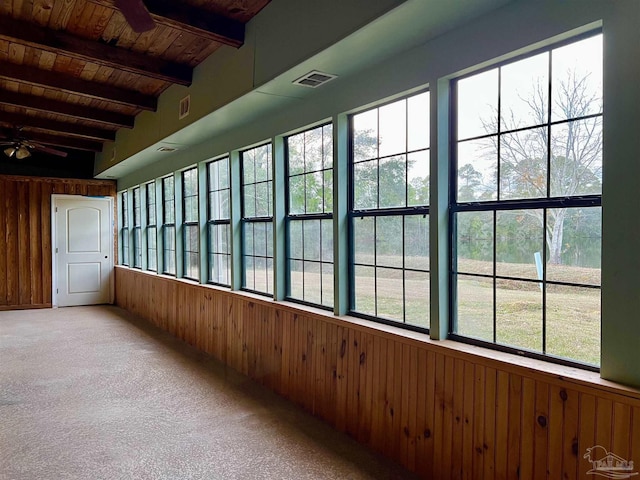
x=83, y=250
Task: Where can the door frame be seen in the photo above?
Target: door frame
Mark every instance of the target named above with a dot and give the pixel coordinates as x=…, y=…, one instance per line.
x=54, y=258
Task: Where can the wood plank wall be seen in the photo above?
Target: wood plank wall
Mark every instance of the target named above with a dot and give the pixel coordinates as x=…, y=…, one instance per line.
x=25, y=235
x=441, y=411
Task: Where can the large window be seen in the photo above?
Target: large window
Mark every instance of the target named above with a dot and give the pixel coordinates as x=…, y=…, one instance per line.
x=168, y=226
x=257, y=219
x=137, y=229
x=526, y=203
x=190, y=229
x=124, y=231
x=389, y=212
x=218, y=222
x=152, y=239
x=310, y=226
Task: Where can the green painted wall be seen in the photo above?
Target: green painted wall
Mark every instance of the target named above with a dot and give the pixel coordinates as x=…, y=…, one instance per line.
x=512, y=29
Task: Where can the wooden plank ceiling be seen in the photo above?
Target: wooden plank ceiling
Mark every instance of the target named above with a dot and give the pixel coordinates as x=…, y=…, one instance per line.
x=73, y=72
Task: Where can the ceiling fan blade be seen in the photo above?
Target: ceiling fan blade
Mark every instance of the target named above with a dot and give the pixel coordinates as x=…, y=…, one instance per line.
x=136, y=15
x=49, y=150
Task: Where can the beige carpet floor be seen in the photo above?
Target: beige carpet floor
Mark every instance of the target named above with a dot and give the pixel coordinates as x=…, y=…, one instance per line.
x=94, y=393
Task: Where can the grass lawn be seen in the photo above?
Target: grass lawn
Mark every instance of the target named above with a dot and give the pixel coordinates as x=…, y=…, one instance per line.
x=572, y=314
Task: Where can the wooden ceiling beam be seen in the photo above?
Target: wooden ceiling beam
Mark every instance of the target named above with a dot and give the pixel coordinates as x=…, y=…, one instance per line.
x=60, y=141
x=56, y=41
x=52, y=126
x=100, y=91
x=82, y=112
x=197, y=21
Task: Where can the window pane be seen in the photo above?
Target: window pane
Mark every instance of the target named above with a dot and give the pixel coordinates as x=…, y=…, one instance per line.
x=136, y=207
x=392, y=179
x=190, y=209
x=474, y=245
x=314, y=192
x=296, y=195
x=313, y=149
x=523, y=164
x=416, y=242
x=311, y=232
x=364, y=240
x=475, y=307
x=249, y=200
x=393, y=128
x=137, y=247
x=519, y=243
x=327, y=146
x=478, y=105
x=365, y=136
x=169, y=250
x=418, y=178
x=577, y=79
x=418, y=122
x=327, y=284
x=519, y=314
x=477, y=173
x=248, y=167
x=295, y=154
x=389, y=241
x=152, y=261
x=524, y=92
x=573, y=323
x=365, y=290
x=328, y=192
x=417, y=298
x=327, y=240
x=576, y=158
x=390, y=298
x=124, y=238
x=574, y=245
x=295, y=239
x=296, y=279
x=151, y=204
x=312, y=282
x=263, y=199
x=365, y=185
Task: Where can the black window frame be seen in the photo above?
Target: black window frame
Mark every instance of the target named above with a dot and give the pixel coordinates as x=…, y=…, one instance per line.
x=151, y=228
x=216, y=221
x=497, y=205
x=404, y=212
x=168, y=227
x=251, y=222
x=124, y=230
x=189, y=225
x=137, y=228
x=321, y=218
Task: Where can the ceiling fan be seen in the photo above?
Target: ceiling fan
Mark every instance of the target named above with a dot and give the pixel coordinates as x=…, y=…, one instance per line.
x=20, y=147
x=136, y=15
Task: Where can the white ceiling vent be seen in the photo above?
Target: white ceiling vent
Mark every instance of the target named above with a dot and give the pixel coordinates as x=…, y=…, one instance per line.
x=185, y=107
x=314, y=79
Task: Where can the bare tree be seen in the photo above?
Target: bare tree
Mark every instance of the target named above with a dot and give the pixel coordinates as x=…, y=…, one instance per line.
x=574, y=149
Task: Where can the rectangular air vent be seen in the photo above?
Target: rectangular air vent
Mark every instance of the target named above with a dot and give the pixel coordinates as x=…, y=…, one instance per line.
x=167, y=149
x=185, y=106
x=314, y=79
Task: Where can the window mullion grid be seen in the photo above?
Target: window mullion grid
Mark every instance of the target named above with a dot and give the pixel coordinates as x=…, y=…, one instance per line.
x=304, y=290
x=494, y=273
x=375, y=263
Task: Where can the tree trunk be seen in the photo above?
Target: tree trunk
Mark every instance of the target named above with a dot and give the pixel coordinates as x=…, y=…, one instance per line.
x=557, y=234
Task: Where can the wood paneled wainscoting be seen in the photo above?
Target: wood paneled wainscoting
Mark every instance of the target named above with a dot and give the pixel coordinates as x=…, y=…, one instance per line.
x=25, y=235
x=442, y=409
